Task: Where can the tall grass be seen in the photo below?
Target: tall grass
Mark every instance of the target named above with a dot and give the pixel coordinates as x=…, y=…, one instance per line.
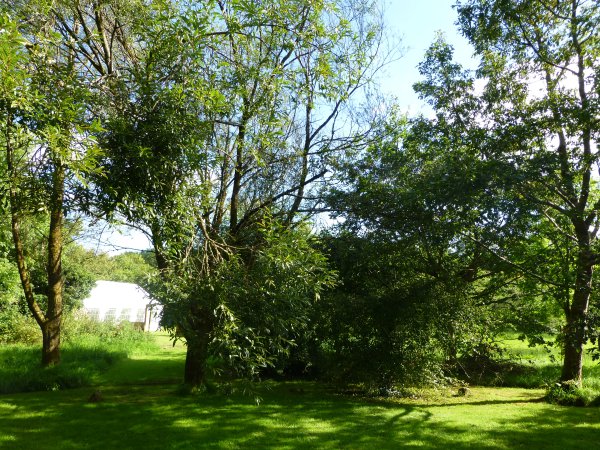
x=88, y=348
x=540, y=367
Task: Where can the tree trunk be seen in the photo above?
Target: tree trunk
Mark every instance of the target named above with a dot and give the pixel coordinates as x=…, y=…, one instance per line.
x=52, y=325
x=574, y=335
x=195, y=360
x=51, y=342
x=197, y=339
x=49, y=321
x=238, y=169
x=575, y=328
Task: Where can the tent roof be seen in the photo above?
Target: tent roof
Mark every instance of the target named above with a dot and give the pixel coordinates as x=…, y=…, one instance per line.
x=111, y=294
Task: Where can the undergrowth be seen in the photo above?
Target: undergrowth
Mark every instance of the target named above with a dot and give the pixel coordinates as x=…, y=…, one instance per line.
x=88, y=348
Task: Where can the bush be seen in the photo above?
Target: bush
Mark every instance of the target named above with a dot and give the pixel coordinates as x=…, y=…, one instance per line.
x=569, y=393
x=386, y=324
x=18, y=328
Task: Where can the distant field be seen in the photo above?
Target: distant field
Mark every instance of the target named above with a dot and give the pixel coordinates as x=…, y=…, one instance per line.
x=544, y=365
x=141, y=409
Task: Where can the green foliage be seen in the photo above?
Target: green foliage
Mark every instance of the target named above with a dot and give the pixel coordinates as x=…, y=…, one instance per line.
x=78, y=280
x=16, y=327
x=16, y=323
x=568, y=394
x=257, y=303
x=79, y=328
x=13, y=325
x=78, y=285
x=22, y=372
x=415, y=215
x=387, y=322
x=493, y=197
x=46, y=150
x=545, y=138
x=200, y=142
x=131, y=268
x=128, y=267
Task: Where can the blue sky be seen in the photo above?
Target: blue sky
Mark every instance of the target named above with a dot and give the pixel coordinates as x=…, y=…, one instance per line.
x=416, y=23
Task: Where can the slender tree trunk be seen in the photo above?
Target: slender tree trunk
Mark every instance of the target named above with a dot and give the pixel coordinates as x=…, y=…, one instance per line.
x=238, y=169
x=304, y=171
x=575, y=328
x=51, y=341
x=50, y=321
x=159, y=254
x=51, y=328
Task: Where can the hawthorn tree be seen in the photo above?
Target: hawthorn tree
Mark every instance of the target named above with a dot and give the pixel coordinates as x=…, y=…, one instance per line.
x=287, y=78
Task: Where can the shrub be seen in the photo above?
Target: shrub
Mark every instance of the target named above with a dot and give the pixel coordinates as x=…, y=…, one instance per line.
x=80, y=329
x=569, y=393
x=18, y=328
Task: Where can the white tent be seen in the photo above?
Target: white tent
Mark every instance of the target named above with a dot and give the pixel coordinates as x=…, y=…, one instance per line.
x=112, y=301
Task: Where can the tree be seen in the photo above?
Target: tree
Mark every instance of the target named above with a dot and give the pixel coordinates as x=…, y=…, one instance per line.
x=420, y=212
x=78, y=280
x=547, y=134
x=205, y=142
x=44, y=137
x=128, y=267
x=512, y=166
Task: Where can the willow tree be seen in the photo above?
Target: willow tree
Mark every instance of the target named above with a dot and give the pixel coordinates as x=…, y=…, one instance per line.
x=220, y=120
x=288, y=74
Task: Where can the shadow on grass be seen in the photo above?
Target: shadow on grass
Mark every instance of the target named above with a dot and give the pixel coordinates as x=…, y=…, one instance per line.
x=485, y=403
x=153, y=417
x=21, y=369
x=168, y=369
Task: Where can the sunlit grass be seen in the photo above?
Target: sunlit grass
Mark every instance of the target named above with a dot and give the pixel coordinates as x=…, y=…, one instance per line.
x=154, y=417
x=540, y=366
x=141, y=408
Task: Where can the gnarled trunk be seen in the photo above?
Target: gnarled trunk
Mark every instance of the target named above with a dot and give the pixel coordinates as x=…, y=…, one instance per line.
x=195, y=358
x=197, y=340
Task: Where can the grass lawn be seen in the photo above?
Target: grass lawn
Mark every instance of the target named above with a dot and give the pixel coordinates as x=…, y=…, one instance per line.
x=141, y=409
x=544, y=366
